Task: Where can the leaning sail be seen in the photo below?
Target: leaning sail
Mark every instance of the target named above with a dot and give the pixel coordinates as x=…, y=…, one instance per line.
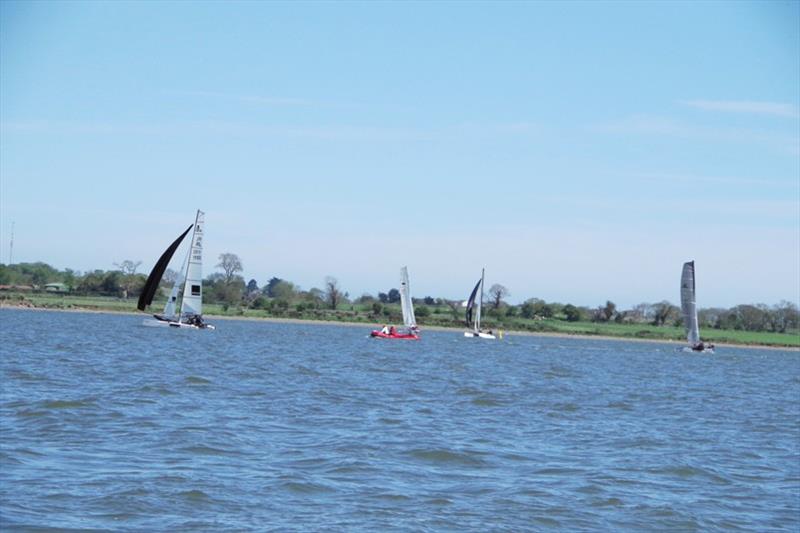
x=151, y=285
x=688, y=305
x=192, y=303
x=471, y=302
x=406, y=304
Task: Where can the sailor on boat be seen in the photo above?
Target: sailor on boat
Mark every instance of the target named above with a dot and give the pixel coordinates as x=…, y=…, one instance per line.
x=701, y=346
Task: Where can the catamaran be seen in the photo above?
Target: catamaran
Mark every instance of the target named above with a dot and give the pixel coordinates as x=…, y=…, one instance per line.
x=474, y=305
x=190, y=313
x=689, y=311
x=410, y=330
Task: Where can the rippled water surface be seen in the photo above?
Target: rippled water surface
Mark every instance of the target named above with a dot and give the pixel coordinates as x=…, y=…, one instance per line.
x=109, y=425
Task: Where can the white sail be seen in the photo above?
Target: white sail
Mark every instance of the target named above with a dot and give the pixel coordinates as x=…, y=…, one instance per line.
x=192, y=303
x=405, y=300
x=688, y=304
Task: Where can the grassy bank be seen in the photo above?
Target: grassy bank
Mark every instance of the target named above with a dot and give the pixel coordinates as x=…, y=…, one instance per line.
x=439, y=316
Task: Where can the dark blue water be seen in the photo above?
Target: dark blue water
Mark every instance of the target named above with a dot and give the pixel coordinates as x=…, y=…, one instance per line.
x=109, y=425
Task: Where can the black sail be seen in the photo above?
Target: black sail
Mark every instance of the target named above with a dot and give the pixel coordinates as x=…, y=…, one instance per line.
x=150, y=286
x=471, y=302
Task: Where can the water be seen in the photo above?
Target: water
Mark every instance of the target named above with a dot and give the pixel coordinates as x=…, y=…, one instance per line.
x=108, y=425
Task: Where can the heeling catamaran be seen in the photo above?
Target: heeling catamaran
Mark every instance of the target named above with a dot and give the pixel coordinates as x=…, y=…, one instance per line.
x=689, y=311
x=190, y=314
x=410, y=331
x=474, y=305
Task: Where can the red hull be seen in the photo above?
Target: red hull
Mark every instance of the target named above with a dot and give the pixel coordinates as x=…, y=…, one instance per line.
x=381, y=335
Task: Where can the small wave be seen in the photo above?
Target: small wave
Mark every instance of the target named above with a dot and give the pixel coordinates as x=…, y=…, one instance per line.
x=306, y=487
x=623, y=406
x=307, y=371
x=67, y=404
x=607, y=502
x=686, y=471
x=447, y=457
x=195, y=495
x=195, y=380
x=486, y=401
x=440, y=501
x=390, y=421
x=204, y=450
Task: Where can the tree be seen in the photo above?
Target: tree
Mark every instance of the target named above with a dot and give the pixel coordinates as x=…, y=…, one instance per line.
x=383, y=297
x=128, y=267
x=496, y=294
x=283, y=290
x=785, y=316
x=572, y=313
x=393, y=297
x=333, y=295
x=664, y=312
x=252, y=286
x=230, y=264
x=609, y=310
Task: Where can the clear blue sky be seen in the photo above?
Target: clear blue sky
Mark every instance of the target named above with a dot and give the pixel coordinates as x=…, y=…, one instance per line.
x=579, y=151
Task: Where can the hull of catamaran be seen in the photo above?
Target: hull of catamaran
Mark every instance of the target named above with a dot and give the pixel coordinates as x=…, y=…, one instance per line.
x=155, y=323
x=478, y=335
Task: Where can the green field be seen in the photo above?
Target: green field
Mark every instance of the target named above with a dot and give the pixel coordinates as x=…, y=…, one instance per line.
x=439, y=316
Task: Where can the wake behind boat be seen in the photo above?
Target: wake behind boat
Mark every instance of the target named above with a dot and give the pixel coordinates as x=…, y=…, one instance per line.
x=410, y=331
x=474, y=305
x=190, y=313
x=689, y=311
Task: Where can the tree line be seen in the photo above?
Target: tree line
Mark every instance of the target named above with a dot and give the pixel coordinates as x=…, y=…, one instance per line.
x=227, y=287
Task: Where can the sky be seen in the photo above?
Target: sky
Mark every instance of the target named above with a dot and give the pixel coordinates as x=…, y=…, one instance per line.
x=579, y=151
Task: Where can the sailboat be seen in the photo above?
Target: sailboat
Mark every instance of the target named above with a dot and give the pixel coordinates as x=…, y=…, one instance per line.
x=190, y=313
x=410, y=330
x=689, y=311
x=474, y=305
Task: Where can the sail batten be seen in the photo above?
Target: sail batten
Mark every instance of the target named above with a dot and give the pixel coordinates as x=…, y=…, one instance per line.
x=151, y=285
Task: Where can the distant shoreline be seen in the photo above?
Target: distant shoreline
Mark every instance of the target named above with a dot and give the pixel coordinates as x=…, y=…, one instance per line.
x=515, y=333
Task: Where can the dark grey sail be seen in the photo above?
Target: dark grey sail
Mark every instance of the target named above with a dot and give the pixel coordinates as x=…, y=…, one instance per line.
x=688, y=304
x=471, y=302
x=151, y=285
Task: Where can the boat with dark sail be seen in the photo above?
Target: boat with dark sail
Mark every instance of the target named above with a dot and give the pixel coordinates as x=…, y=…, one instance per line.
x=473, y=318
x=186, y=312
x=689, y=311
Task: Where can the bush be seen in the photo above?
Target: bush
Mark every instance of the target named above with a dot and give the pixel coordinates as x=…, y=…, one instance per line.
x=422, y=311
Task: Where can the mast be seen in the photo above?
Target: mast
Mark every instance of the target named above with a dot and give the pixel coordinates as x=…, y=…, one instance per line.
x=11, y=246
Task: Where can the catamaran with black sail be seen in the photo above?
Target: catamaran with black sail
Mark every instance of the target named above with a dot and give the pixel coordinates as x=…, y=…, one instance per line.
x=474, y=305
x=409, y=331
x=190, y=313
x=689, y=311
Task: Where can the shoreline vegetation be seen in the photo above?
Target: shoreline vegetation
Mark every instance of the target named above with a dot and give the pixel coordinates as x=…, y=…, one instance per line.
x=353, y=315
x=226, y=294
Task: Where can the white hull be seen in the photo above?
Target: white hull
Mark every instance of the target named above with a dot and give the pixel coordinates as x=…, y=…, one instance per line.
x=472, y=335
x=153, y=323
